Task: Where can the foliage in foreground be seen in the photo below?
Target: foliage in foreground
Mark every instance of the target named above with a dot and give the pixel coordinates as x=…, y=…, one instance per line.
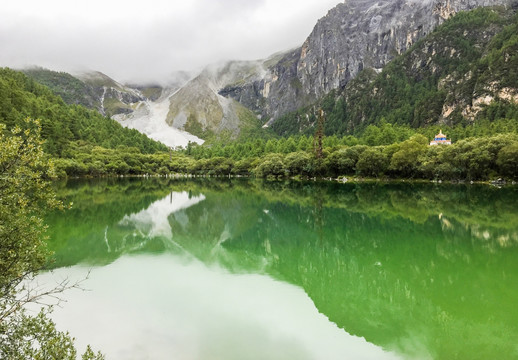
x=25, y=194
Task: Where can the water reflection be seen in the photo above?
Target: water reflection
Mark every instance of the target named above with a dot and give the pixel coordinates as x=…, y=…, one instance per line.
x=427, y=271
x=152, y=222
x=163, y=307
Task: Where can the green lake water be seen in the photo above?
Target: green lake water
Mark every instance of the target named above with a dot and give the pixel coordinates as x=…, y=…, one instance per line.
x=199, y=269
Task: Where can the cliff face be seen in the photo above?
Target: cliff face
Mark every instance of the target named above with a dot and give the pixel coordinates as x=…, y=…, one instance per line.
x=362, y=33
x=463, y=72
x=354, y=35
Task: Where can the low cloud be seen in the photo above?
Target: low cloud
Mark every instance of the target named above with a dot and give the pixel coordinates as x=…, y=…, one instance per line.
x=147, y=41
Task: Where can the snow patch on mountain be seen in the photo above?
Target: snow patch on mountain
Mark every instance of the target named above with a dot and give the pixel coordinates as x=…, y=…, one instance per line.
x=149, y=118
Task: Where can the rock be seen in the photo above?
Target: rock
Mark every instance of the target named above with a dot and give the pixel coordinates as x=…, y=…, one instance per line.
x=498, y=181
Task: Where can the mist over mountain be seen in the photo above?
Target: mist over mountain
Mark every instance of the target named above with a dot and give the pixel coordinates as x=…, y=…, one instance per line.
x=235, y=98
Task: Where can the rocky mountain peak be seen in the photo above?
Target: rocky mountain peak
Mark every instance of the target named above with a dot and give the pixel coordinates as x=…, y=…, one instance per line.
x=357, y=34
x=354, y=35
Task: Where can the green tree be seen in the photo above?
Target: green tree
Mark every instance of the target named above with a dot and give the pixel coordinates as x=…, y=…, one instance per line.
x=25, y=194
x=343, y=161
x=405, y=161
x=299, y=163
x=271, y=165
x=371, y=135
x=372, y=162
x=508, y=160
x=319, y=136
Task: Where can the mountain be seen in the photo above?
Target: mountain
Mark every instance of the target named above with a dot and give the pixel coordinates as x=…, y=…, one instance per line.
x=357, y=38
x=149, y=117
x=136, y=106
x=180, y=111
x=69, y=88
x=142, y=107
x=114, y=98
x=91, y=89
x=463, y=71
x=360, y=34
x=64, y=127
x=353, y=36
x=199, y=107
x=276, y=91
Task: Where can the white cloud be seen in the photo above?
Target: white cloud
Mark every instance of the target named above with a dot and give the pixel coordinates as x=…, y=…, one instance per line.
x=132, y=40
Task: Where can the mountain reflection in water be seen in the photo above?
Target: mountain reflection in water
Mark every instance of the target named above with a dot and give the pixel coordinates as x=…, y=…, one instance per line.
x=421, y=270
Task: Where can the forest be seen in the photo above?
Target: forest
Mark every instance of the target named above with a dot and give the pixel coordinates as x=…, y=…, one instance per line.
x=478, y=159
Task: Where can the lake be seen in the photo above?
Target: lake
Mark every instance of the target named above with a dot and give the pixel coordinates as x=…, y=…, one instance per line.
x=237, y=269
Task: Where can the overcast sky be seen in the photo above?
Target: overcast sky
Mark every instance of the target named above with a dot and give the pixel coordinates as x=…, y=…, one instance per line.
x=147, y=40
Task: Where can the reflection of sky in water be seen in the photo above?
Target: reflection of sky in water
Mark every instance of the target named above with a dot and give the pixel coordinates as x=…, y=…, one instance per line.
x=165, y=307
x=171, y=307
x=153, y=221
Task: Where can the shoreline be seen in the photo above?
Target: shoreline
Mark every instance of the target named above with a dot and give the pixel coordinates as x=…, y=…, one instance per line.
x=341, y=179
